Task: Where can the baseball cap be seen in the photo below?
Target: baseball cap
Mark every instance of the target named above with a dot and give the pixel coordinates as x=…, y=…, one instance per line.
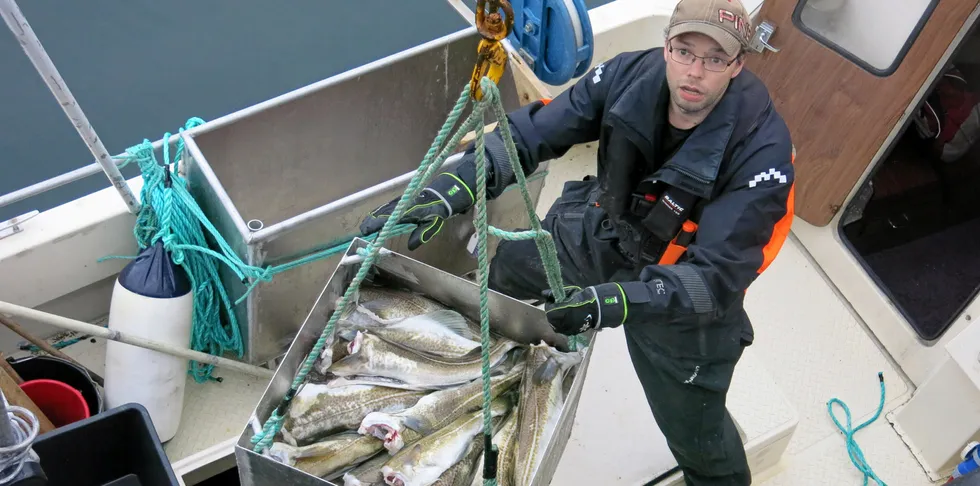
x=725, y=21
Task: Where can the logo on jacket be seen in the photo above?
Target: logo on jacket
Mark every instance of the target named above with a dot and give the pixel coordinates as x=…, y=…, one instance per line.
x=773, y=174
x=672, y=204
x=598, y=73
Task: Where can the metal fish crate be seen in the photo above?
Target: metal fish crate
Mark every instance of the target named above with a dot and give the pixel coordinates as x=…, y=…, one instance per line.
x=509, y=317
x=296, y=174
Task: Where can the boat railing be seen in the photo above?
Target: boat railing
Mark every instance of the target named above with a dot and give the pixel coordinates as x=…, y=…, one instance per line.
x=104, y=162
x=32, y=46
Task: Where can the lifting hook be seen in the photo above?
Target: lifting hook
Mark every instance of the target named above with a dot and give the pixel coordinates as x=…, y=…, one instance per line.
x=491, y=55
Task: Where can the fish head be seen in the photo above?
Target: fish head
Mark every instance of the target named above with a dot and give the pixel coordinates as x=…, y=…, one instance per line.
x=351, y=480
x=403, y=473
x=385, y=427
x=356, y=343
x=347, y=331
x=393, y=478
x=354, y=359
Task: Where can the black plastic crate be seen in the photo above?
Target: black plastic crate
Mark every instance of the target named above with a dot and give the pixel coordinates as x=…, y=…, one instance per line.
x=117, y=447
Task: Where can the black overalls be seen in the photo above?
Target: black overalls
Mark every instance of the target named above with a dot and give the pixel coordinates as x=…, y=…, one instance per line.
x=733, y=175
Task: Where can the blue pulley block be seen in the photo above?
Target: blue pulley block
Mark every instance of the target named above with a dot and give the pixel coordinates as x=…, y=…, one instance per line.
x=554, y=37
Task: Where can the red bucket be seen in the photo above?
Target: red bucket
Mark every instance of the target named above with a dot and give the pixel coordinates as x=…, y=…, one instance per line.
x=61, y=403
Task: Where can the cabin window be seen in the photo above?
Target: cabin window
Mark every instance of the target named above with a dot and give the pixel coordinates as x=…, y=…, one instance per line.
x=874, y=34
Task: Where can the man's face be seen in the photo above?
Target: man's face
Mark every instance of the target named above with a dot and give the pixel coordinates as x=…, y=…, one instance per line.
x=695, y=88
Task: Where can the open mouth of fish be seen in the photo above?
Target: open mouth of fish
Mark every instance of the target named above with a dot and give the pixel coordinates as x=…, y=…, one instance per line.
x=391, y=437
x=396, y=479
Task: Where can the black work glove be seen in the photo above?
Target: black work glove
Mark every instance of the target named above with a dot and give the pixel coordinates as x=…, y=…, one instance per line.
x=447, y=195
x=595, y=307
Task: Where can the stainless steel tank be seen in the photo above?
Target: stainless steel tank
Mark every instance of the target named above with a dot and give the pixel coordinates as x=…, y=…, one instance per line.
x=509, y=317
x=296, y=174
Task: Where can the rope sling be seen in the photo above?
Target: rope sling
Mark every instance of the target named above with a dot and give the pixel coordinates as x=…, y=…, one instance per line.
x=428, y=167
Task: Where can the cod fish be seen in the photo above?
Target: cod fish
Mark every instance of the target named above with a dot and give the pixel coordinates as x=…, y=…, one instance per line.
x=381, y=305
x=333, y=381
x=542, y=398
x=371, y=355
x=464, y=471
x=368, y=473
x=320, y=409
x=334, y=350
x=505, y=439
x=441, y=332
x=422, y=463
x=433, y=411
x=328, y=456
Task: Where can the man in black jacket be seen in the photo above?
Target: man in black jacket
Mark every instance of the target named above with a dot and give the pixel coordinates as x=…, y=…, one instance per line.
x=692, y=201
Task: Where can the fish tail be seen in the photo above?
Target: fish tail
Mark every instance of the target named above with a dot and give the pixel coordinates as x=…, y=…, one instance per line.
x=285, y=453
x=288, y=437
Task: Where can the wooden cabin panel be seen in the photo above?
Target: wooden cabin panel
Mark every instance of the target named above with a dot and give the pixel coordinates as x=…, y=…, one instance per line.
x=840, y=113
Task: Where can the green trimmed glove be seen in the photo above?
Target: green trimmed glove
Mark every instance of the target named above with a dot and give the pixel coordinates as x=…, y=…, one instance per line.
x=447, y=196
x=595, y=307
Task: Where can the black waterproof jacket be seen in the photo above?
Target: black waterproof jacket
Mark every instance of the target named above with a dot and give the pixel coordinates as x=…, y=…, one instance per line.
x=738, y=161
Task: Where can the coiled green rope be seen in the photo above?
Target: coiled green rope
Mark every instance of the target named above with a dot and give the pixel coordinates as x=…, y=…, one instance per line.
x=169, y=214
x=491, y=99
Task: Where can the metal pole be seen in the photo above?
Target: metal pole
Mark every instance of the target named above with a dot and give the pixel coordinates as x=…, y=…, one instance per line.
x=105, y=333
x=45, y=67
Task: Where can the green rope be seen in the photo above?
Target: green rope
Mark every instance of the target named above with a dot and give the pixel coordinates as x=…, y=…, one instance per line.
x=491, y=98
x=170, y=214
x=57, y=345
x=853, y=450
x=542, y=239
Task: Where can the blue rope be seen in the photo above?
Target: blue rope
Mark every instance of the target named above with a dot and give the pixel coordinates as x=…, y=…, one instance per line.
x=853, y=450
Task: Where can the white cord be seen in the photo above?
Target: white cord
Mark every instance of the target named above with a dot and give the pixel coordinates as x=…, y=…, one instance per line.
x=25, y=429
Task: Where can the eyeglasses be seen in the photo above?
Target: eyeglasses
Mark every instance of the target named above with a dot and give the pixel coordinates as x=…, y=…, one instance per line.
x=684, y=56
